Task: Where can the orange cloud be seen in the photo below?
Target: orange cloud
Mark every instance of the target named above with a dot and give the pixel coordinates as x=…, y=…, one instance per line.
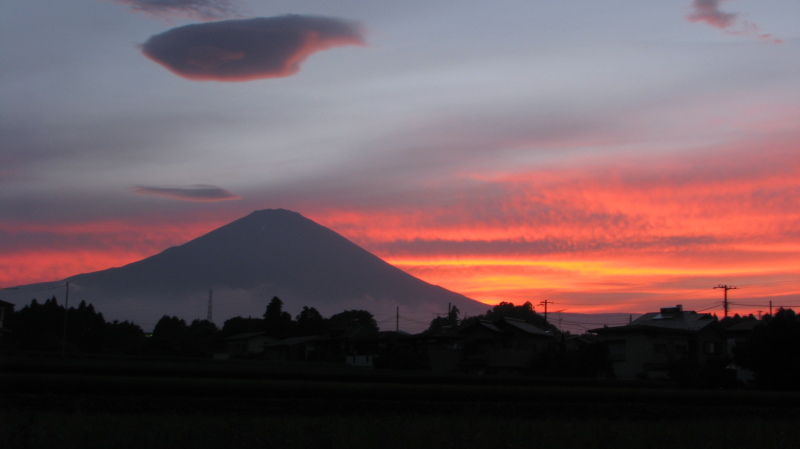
x=34, y=252
x=621, y=236
x=628, y=234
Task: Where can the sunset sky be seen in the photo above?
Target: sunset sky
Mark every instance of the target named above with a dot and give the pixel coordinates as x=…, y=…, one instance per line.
x=614, y=156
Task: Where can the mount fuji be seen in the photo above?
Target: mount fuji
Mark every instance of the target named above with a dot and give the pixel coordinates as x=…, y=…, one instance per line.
x=240, y=266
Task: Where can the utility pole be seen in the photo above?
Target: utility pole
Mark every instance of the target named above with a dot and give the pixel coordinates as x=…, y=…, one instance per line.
x=397, y=320
x=545, y=303
x=725, y=301
x=208, y=315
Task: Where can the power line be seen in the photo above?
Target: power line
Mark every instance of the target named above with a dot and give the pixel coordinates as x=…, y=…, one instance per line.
x=770, y=284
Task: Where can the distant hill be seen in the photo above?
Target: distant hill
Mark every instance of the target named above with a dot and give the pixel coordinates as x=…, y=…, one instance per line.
x=247, y=262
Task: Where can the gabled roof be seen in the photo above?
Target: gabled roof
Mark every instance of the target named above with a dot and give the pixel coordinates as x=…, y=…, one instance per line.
x=668, y=319
x=523, y=326
x=690, y=320
x=484, y=324
x=508, y=325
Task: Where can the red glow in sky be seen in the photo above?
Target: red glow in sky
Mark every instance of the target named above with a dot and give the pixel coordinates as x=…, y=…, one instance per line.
x=615, y=238
x=512, y=151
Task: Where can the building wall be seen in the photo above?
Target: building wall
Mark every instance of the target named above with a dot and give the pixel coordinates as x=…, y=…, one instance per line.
x=633, y=355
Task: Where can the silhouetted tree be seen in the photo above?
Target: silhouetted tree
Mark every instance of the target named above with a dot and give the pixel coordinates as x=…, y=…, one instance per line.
x=200, y=338
x=277, y=323
x=169, y=337
x=772, y=351
x=239, y=325
x=38, y=327
x=123, y=338
x=85, y=328
x=349, y=318
x=169, y=327
x=310, y=322
x=730, y=321
x=440, y=323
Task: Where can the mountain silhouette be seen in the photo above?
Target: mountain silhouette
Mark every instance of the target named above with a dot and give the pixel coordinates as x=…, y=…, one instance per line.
x=247, y=262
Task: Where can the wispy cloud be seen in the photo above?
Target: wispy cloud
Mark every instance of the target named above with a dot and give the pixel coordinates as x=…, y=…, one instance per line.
x=197, y=192
x=196, y=9
x=708, y=11
x=248, y=49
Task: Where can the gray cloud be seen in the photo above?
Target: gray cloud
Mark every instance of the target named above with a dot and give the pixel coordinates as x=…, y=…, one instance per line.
x=708, y=11
x=198, y=9
x=197, y=192
x=248, y=49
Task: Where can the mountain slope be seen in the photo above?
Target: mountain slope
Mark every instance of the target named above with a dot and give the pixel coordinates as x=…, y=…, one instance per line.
x=246, y=262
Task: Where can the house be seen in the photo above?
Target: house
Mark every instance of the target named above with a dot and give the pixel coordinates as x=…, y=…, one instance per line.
x=6, y=309
x=353, y=344
x=504, y=346
x=242, y=345
x=302, y=349
x=736, y=335
x=657, y=344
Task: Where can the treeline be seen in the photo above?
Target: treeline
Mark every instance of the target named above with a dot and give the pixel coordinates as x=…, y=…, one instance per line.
x=772, y=351
x=48, y=327
x=41, y=327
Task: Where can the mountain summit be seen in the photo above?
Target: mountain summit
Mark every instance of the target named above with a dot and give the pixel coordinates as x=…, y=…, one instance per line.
x=247, y=262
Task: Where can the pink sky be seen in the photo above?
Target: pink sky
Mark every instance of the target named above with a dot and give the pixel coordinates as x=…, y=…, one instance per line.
x=621, y=156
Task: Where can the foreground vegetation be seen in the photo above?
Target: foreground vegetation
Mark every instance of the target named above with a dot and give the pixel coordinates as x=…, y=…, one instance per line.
x=122, y=403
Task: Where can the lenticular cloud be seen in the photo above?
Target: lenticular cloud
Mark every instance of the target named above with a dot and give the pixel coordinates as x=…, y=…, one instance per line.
x=248, y=49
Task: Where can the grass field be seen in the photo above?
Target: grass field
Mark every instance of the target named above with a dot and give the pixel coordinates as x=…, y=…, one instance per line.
x=64, y=403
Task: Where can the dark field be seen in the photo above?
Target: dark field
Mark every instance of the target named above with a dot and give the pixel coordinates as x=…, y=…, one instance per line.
x=62, y=403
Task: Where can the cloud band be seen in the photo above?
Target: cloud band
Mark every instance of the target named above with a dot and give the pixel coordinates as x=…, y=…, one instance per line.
x=197, y=192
